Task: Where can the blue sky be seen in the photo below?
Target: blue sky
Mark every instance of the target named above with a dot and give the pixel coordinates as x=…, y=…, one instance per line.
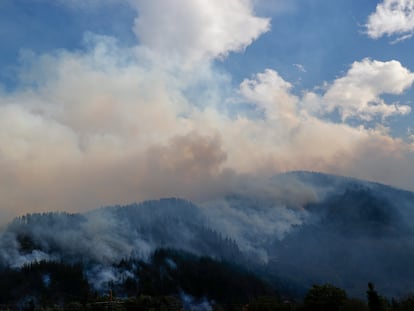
x=323, y=37
x=190, y=95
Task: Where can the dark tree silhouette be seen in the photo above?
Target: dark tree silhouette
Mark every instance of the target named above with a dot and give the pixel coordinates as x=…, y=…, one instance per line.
x=324, y=298
x=375, y=301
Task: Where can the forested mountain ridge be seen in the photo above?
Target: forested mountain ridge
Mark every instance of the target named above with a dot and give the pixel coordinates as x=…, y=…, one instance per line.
x=324, y=228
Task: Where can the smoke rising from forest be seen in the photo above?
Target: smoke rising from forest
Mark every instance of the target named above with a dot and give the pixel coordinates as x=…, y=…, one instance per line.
x=110, y=234
x=114, y=124
x=241, y=224
x=331, y=218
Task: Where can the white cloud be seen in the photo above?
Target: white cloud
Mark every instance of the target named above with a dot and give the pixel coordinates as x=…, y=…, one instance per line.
x=271, y=93
x=290, y=138
x=392, y=17
x=357, y=94
x=190, y=31
x=194, y=30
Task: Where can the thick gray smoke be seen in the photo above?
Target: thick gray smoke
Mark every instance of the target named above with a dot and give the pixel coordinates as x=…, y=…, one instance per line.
x=258, y=212
x=245, y=222
x=302, y=227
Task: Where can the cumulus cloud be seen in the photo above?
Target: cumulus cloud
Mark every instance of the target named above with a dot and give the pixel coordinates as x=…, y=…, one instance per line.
x=193, y=30
x=293, y=136
x=392, y=17
x=270, y=92
x=357, y=94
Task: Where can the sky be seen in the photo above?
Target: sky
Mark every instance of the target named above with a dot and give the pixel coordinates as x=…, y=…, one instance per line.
x=115, y=101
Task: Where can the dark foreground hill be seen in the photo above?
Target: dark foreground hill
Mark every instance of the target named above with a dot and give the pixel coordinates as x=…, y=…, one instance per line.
x=292, y=231
x=166, y=273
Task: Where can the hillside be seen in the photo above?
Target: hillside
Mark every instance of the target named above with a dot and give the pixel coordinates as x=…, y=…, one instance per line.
x=328, y=229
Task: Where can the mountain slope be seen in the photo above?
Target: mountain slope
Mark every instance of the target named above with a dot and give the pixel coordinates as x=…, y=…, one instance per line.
x=297, y=228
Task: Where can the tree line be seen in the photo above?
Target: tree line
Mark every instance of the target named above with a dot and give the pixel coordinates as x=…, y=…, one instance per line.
x=165, y=282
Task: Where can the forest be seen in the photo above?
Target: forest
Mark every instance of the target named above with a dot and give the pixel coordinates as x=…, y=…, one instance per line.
x=173, y=280
x=352, y=249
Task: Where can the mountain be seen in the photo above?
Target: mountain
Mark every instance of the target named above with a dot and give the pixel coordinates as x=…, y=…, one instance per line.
x=359, y=232
x=293, y=230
